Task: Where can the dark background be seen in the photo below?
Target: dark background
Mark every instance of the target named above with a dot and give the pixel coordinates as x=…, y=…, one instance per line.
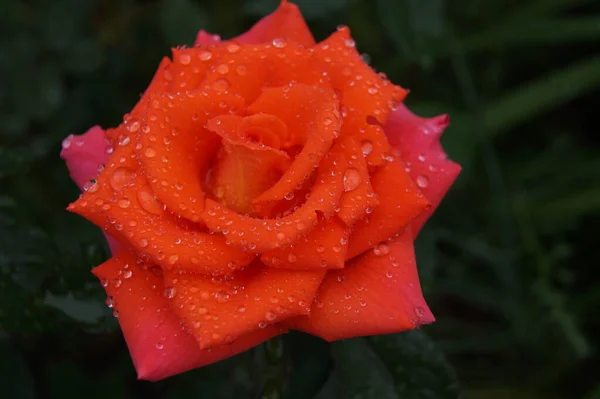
x=507, y=264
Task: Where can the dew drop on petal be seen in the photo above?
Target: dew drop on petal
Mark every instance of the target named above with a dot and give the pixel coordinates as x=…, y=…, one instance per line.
x=366, y=147
x=148, y=202
x=422, y=181
x=169, y=292
x=352, y=179
x=221, y=296
x=120, y=177
x=381, y=250
x=149, y=152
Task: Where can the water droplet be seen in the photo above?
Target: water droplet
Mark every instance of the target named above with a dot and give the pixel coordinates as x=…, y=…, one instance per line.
x=90, y=186
x=352, y=179
x=205, y=55
x=366, y=147
x=120, y=177
x=349, y=43
x=223, y=69
x=173, y=259
x=422, y=181
x=292, y=258
x=233, y=47
x=170, y=292
x=185, y=58
x=270, y=316
x=419, y=311
x=127, y=274
x=149, y=152
x=242, y=309
x=279, y=43
x=109, y=302
x=241, y=70
x=221, y=296
x=320, y=249
x=148, y=202
x=381, y=250
x=160, y=345
x=123, y=203
x=221, y=84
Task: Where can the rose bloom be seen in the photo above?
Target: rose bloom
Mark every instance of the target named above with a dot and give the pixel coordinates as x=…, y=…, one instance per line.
x=261, y=184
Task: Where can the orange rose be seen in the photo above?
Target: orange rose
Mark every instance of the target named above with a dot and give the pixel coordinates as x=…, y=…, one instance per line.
x=253, y=190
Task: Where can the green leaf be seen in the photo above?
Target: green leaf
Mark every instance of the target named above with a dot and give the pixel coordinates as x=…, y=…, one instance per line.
x=419, y=369
x=358, y=373
x=16, y=380
x=543, y=32
x=310, y=364
x=86, y=311
x=535, y=98
x=416, y=27
x=180, y=21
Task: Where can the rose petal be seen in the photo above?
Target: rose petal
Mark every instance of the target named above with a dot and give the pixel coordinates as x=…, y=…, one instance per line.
x=358, y=198
x=156, y=233
x=244, y=169
x=324, y=248
x=174, y=147
x=377, y=293
x=83, y=156
x=417, y=139
x=260, y=235
x=285, y=23
x=158, y=344
x=400, y=202
x=219, y=311
x=312, y=117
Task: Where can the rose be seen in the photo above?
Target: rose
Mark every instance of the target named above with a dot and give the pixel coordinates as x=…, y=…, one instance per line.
x=261, y=184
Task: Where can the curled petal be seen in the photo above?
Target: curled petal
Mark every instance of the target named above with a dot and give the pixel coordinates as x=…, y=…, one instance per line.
x=417, y=140
x=260, y=235
x=84, y=156
x=285, y=23
x=324, y=248
x=312, y=117
x=221, y=311
x=400, y=201
x=174, y=147
x=158, y=344
x=142, y=221
x=376, y=293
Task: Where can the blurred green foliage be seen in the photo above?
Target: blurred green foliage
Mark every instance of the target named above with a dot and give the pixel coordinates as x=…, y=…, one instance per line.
x=507, y=263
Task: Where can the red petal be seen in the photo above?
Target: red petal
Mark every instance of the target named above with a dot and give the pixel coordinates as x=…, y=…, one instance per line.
x=220, y=311
x=417, y=139
x=158, y=344
x=205, y=39
x=167, y=240
x=284, y=23
x=174, y=148
x=377, y=293
x=399, y=203
x=260, y=235
x=84, y=154
x=312, y=118
x=324, y=248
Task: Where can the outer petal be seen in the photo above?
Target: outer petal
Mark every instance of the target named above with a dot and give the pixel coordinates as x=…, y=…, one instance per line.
x=377, y=293
x=418, y=140
x=399, y=203
x=158, y=344
x=219, y=311
x=83, y=156
x=284, y=23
